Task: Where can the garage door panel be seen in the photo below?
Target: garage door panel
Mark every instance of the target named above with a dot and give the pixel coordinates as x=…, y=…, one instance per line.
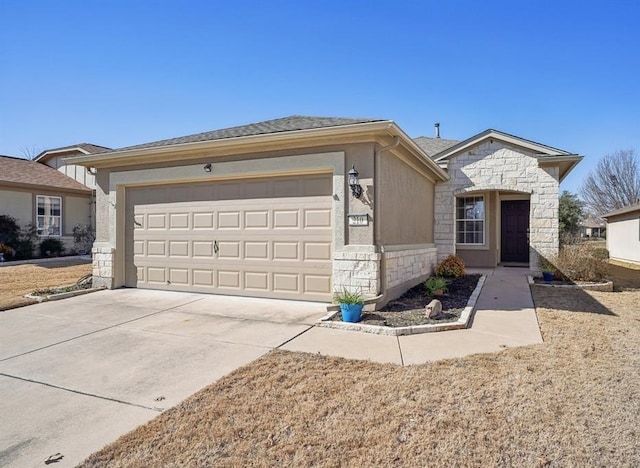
x=156, y=221
x=156, y=247
x=285, y=219
x=317, y=283
x=256, y=219
x=285, y=251
x=156, y=275
x=286, y=282
x=228, y=250
x=179, y=276
x=203, y=249
x=203, y=277
x=229, y=220
x=256, y=280
x=228, y=279
x=256, y=250
x=274, y=242
x=317, y=218
x=179, y=248
x=179, y=221
x=203, y=220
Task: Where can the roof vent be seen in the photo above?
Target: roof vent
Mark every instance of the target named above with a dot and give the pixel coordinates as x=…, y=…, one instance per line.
x=437, y=127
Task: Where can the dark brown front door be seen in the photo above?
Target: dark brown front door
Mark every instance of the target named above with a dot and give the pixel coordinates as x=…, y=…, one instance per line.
x=514, y=227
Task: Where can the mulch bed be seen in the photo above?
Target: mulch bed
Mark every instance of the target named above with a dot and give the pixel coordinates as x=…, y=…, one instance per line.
x=408, y=309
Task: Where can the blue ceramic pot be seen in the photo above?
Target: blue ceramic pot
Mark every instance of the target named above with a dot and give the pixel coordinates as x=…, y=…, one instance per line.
x=548, y=276
x=351, y=312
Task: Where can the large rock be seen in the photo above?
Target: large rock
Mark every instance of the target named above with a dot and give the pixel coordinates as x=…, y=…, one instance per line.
x=433, y=310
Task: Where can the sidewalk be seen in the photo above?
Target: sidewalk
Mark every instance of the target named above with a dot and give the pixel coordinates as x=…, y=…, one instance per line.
x=504, y=318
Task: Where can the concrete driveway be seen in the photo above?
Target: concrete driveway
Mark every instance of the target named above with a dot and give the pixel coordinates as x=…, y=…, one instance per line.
x=78, y=373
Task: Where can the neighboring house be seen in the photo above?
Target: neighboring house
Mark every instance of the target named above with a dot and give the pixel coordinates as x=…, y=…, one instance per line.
x=623, y=234
x=37, y=194
x=593, y=227
x=56, y=158
x=267, y=209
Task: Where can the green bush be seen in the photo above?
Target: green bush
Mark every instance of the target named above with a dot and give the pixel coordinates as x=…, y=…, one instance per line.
x=451, y=267
x=51, y=247
x=434, y=284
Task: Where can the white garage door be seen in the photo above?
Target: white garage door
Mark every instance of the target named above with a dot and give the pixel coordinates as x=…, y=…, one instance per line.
x=268, y=237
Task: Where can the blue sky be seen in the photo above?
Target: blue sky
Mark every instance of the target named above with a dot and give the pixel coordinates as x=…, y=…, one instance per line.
x=117, y=73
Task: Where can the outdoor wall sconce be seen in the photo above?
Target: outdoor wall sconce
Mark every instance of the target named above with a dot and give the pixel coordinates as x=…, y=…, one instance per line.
x=207, y=167
x=354, y=183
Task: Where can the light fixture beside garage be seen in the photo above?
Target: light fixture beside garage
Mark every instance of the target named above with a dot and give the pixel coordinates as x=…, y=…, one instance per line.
x=354, y=183
x=207, y=167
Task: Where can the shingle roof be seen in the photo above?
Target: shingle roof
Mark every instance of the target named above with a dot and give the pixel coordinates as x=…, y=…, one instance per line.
x=285, y=124
x=626, y=209
x=88, y=147
x=433, y=146
x=593, y=223
x=25, y=172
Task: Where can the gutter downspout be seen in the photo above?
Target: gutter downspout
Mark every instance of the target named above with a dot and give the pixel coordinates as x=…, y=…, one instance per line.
x=376, y=211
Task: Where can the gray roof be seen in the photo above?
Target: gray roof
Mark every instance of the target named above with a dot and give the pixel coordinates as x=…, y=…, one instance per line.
x=593, y=223
x=285, y=124
x=626, y=209
x=433, y=146
x=88, y=147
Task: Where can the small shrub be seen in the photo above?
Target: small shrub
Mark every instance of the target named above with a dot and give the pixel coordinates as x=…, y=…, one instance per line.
x=582, y=262
x=9, y=230
x=51, y=247
x=7, y=251
x=83, y=237
x=451, y=267
x=434, y=284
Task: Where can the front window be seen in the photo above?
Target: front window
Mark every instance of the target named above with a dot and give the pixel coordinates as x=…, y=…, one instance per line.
x=470, y=220
x=49, y=215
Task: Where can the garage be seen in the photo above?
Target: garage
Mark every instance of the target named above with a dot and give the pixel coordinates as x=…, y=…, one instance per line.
x=264, y=237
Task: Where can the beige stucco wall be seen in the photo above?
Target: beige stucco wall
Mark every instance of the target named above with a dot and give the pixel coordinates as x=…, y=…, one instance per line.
x=623, y=237
x=405, y=203
x=17, y=204
x=495, y=166
x=76, y=210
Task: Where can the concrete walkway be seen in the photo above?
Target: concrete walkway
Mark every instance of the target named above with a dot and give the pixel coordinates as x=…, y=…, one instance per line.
x=504, y=318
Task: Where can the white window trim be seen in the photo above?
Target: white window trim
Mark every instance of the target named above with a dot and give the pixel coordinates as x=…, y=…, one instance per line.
x=38, y=197
x=484, y=222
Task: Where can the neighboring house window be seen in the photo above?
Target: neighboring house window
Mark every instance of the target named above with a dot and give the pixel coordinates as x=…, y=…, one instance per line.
x=470, y=220
x=49, y=215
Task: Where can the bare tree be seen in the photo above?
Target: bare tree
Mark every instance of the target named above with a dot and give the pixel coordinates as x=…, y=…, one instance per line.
x=614, y=183
x=30, y=152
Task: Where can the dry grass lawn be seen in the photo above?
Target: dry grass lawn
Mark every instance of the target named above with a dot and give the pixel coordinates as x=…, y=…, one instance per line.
x=572, y=401
x=18, y=280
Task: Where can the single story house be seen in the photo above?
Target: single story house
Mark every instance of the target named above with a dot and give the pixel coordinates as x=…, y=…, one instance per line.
x=593, y=227
x=300, y=207
x=623, y=234
x=37, y=194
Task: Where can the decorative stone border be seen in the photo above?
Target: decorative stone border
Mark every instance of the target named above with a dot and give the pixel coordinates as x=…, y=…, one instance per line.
x=607, y=286
x=65, y=295
x=462, y=322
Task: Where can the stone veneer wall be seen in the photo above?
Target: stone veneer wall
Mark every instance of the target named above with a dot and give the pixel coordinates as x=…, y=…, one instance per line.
x=357, y=271
x=102, y=266
x=408, y=266
x=493, y=165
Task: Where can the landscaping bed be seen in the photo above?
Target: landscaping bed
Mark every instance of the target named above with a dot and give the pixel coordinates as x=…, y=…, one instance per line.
x=409, y=309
